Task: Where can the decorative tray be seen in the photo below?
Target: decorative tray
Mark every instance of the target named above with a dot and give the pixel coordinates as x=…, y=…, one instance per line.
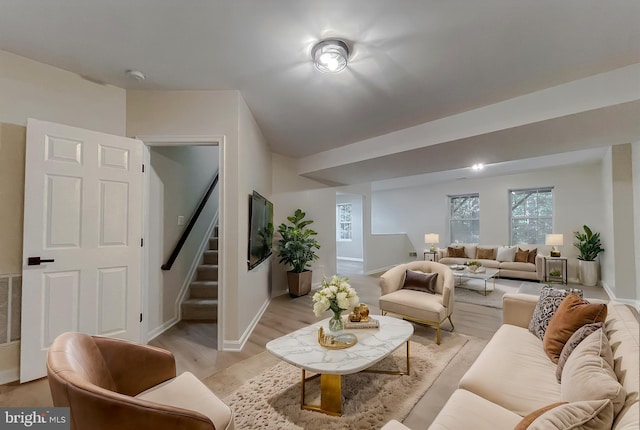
x=340, y=341
x=457, y=267
x=372, y=323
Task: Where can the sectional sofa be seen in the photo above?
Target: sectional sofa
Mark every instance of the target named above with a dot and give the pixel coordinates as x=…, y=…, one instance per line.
x=498, y=257
x=513, y=377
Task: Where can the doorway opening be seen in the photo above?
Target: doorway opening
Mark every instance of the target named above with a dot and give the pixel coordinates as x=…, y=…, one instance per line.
x=349, y=234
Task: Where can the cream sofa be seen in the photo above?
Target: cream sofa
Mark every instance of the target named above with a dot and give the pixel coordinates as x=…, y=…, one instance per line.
x=507, y=269
x=513, y=377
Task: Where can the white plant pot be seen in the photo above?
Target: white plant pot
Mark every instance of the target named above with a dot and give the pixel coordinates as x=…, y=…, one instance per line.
x=588, y=272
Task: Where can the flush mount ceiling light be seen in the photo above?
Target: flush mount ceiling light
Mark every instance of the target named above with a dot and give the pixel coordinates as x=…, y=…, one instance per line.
x=477, y=167
x=330, y=55
x=136, y=74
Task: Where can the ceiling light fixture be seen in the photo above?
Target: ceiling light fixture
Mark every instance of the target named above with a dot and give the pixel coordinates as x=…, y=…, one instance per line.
x=477, y=167
x=136, y=74
x=330, y=55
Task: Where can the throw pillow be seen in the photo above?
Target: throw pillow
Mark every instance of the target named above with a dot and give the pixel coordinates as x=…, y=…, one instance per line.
x=418, y=281
x=573, y=313
x=571, y=344
x=526, y=421
x=549, y=300
x=532, y=256
x=588, y=373
x=584, y=415
x=506, y=253
x=521, y=256
x=485, y=253
x=455, y=252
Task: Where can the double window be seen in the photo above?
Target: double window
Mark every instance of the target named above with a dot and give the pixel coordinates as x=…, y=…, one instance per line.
x=531, y=215
x=344, y=221
x=464, y=218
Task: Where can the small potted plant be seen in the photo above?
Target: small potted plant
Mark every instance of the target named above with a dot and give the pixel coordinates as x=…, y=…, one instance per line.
x=589, y=245
x=296, y=247
x=473, y=265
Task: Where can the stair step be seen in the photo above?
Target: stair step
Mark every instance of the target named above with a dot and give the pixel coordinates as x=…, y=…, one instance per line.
x=207, y=272
x=203, y=290
x=200, y=310
x=211, y=257
x=215, y=231
x=213, y=243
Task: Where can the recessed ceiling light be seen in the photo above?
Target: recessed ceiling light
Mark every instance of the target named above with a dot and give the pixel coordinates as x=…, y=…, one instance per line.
x=477, y=167
x=136, y=74
x=330, y=55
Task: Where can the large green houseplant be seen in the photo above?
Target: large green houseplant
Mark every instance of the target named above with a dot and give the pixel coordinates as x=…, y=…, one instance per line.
x=296, y=248
x=589, y=245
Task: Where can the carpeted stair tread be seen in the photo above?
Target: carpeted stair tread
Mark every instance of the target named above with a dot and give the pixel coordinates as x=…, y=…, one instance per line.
x=203, y=289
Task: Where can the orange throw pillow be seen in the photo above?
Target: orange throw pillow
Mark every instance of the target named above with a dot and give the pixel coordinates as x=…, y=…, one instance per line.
x=526, y=421
x=521, y=256
x=456, y=252
x=573, y=313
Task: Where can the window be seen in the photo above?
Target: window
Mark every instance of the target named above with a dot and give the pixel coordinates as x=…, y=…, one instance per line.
x=531, y=215
x=344, y=221
x=464, y=218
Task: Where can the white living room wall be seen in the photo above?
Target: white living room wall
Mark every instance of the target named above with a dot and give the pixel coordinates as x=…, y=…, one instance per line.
x=29, y=89
x=578, y=200
x=318, y=201
x=635, y=156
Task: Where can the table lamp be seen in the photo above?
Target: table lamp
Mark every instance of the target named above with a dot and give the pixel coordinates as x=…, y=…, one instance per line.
x=433, y=239
x=554, y=240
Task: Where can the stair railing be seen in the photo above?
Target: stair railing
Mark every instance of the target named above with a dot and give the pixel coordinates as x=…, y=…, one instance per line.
x=192, y=222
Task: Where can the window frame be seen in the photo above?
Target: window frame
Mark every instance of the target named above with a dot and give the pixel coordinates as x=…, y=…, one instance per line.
x=454, y=197
x=339, y=223
x=536, y=190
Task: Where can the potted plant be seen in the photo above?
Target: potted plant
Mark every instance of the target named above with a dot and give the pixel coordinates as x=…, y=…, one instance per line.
x=588, y=243
x=296, y=248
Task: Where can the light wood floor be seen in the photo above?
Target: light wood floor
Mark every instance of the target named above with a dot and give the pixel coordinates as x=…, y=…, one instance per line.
x=193, y=345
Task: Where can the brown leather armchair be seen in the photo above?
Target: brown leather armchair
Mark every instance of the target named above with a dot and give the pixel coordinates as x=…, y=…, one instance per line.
x=116, y=384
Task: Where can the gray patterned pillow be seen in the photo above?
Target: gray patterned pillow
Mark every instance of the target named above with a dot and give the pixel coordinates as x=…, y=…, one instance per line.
x=575, y=339
x=550, y=299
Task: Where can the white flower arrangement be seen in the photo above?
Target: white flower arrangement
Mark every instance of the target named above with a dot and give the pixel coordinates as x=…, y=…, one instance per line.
x=335, y=294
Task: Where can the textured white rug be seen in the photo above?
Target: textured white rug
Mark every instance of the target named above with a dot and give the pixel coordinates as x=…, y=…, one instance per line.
x=472, y=291
x=272, y=399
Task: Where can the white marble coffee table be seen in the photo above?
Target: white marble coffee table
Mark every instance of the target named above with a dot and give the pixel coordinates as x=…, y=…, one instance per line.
x=301, y=348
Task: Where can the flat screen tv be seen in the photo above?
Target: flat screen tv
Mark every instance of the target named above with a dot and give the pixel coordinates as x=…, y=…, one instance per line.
x=260, y=229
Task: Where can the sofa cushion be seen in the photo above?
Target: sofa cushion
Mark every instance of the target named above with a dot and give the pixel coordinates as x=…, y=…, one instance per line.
x=485, y=253
x=187, y=392
x=526, y=421
x=420, y=281
x=493, y=264
x=415, y=304
x=588, y=373
x=514, y=372
x=522, y=256
x=523, y=267
x=548, y=302
x=506, y=253
x=584, y=415
x=465, y=410
x=573, y=313
x=575, y=339
x=456, y=252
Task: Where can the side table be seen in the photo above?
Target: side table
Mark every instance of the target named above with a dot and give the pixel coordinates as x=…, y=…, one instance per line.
x=431, y=256
x=558, y=265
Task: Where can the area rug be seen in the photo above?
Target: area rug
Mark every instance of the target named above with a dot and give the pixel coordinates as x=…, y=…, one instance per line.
x=272, y=399
x=474, y=294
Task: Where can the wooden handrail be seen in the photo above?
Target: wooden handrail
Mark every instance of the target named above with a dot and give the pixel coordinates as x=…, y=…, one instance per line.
x=192, y=222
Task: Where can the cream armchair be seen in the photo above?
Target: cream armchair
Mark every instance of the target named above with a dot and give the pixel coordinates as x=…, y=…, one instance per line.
x=418, y=306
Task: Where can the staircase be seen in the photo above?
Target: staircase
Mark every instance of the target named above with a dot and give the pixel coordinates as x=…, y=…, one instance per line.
x=202, y=301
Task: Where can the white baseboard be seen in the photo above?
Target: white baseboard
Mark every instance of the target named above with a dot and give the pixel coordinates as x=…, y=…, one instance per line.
x=237, y=345
x=162, y=328
x=631, y=302
x=358, y=260
x=382, y=269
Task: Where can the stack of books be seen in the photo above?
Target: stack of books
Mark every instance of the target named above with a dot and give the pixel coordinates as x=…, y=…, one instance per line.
x=372, y=323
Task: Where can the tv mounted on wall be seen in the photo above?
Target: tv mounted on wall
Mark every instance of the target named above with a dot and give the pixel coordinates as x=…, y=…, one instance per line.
x=260, y=229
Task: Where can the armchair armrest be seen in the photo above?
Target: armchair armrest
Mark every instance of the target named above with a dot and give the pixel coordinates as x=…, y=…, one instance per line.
x=517, y=309
x=134, y=367
x=392, y=279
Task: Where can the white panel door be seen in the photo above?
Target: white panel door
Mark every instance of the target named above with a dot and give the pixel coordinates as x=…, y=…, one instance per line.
x=82, y=238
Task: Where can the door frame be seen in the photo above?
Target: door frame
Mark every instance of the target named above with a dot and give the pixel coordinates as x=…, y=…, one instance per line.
x=181, y=140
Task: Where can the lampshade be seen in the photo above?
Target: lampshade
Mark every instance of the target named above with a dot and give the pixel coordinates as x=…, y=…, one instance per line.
x=330, y=55
x=431, y=238
x=554, y=239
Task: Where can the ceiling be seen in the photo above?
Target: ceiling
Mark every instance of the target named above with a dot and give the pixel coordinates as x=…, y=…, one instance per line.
x=412, y=62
